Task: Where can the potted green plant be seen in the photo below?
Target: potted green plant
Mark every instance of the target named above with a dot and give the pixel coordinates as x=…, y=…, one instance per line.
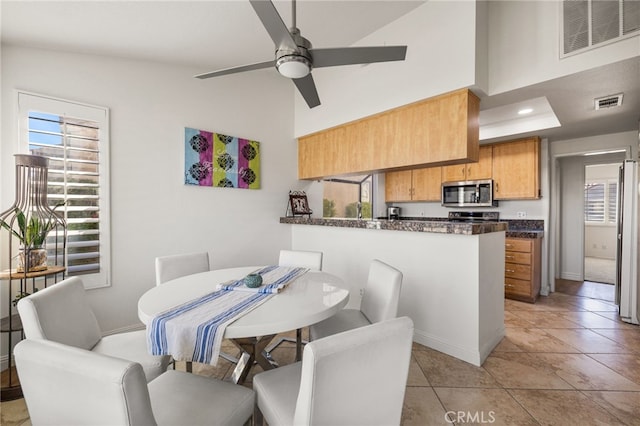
x=32, y=232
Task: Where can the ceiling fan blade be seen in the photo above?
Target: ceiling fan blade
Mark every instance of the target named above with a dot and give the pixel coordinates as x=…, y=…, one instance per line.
x=273, y=23
x=251, y=67
x=356, y=55
x=307, y=89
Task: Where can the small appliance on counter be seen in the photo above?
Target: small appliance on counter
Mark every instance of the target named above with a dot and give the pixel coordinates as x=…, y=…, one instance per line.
x=393, y=213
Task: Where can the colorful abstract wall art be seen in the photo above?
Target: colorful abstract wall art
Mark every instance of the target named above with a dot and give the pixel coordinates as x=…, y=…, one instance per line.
x=214, y=159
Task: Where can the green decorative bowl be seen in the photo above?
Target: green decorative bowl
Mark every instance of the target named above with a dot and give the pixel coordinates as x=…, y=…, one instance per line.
x=253, y=280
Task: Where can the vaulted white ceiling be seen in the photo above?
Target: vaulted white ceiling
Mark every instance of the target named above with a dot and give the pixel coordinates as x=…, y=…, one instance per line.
x=206, y=34
x=211, y=35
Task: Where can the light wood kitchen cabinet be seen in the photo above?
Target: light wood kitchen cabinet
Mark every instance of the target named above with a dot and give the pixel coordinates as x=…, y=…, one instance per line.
x=398, y=186
x=516, y=169
x=413, y=185
x=442, y=129
x=522, y=265
x=482, y=169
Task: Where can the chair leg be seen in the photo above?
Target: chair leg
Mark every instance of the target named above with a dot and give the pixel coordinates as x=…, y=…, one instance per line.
x=299, y=344
x=189, y=364
x=229, y=358
x=258, y=419
x=298, y=341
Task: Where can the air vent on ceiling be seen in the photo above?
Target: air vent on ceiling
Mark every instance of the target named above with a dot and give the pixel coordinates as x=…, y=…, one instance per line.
x=608, y=101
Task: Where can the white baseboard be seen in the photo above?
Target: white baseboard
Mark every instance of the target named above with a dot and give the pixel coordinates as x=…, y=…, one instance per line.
x=571, y=276
x=471, y=355
x=464, y=354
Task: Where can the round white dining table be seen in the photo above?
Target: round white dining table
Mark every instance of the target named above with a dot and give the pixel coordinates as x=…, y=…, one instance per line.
x=310, y=299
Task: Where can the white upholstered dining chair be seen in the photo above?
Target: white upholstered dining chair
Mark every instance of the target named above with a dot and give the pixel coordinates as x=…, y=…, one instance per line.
x=379, y=302
x=357, y=377
x=65, y=385
x=180, y=265
x=301, y=259
x=61, y=313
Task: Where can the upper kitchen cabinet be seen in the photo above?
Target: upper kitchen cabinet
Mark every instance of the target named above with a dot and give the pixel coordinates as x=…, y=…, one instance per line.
x=439, y=130
x=516, y=169
x=413, y=185
x=398, y=186
x=471, y=171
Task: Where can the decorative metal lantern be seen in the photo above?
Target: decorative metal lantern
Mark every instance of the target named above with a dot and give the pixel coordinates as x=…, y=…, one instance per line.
x=30, y=220
x=35, y=237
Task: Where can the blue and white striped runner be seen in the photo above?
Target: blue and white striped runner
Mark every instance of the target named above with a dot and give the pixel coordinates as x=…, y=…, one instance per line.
x=193, y=331
x=274, y=280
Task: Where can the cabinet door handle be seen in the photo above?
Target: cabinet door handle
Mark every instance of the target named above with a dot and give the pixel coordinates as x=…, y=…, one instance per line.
x=508, y=245
x=510, y=257
x=497, y=188
x=510, y=270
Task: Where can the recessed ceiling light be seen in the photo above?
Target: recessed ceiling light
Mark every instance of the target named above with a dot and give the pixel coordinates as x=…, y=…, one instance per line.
x=524, y=111
x=503, y=120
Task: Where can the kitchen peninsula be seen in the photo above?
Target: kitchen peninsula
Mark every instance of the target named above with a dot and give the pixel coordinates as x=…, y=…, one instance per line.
x=453, y=274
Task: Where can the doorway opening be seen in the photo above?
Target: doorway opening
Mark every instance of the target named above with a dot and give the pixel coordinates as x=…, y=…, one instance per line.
x=586, y=233
x=600, y=222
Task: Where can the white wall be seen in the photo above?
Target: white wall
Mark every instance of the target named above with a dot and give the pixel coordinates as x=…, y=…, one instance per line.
x=600, y=241
x=488, y=46
x=440, y=36
x=452, y=285
x=524, y=46
x=153, y=212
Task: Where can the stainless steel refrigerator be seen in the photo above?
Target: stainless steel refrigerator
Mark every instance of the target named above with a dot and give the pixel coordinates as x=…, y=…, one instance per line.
x=627, y=293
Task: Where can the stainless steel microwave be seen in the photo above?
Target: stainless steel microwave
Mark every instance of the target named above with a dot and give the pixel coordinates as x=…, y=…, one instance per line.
x=470, y=193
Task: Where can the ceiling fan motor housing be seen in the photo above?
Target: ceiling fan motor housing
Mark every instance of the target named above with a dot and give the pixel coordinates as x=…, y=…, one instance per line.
x=295, y=63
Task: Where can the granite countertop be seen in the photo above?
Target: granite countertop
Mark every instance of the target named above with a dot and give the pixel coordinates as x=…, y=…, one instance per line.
x=438, y=226
x=525, y=228
x=524, y=233
x=520, y=228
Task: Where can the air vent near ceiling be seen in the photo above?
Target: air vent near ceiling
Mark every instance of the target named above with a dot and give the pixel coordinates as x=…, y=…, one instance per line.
x=587, y=24
x=608, y=101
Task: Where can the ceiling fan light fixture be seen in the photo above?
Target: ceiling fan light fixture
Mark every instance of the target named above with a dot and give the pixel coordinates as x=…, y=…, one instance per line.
x=293, y=66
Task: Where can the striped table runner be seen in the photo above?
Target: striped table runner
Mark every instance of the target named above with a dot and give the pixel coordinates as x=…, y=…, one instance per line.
x=193, y=331
x=274, y=280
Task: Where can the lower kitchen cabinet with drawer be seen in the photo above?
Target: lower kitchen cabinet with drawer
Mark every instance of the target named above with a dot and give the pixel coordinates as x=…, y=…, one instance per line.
x=522, y=269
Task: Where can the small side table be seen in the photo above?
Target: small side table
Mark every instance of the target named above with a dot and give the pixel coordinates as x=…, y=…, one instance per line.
x=23, y=281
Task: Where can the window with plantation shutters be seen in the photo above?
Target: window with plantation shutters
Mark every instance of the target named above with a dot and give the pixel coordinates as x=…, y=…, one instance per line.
x=612, y=202
x=74, y=137
x=594, y=202
x=601, y=201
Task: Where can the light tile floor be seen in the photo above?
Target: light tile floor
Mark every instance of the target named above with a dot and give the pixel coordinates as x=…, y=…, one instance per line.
x=565, y=360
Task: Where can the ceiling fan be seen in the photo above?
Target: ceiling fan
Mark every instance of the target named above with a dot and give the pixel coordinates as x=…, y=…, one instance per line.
x=294, y=56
